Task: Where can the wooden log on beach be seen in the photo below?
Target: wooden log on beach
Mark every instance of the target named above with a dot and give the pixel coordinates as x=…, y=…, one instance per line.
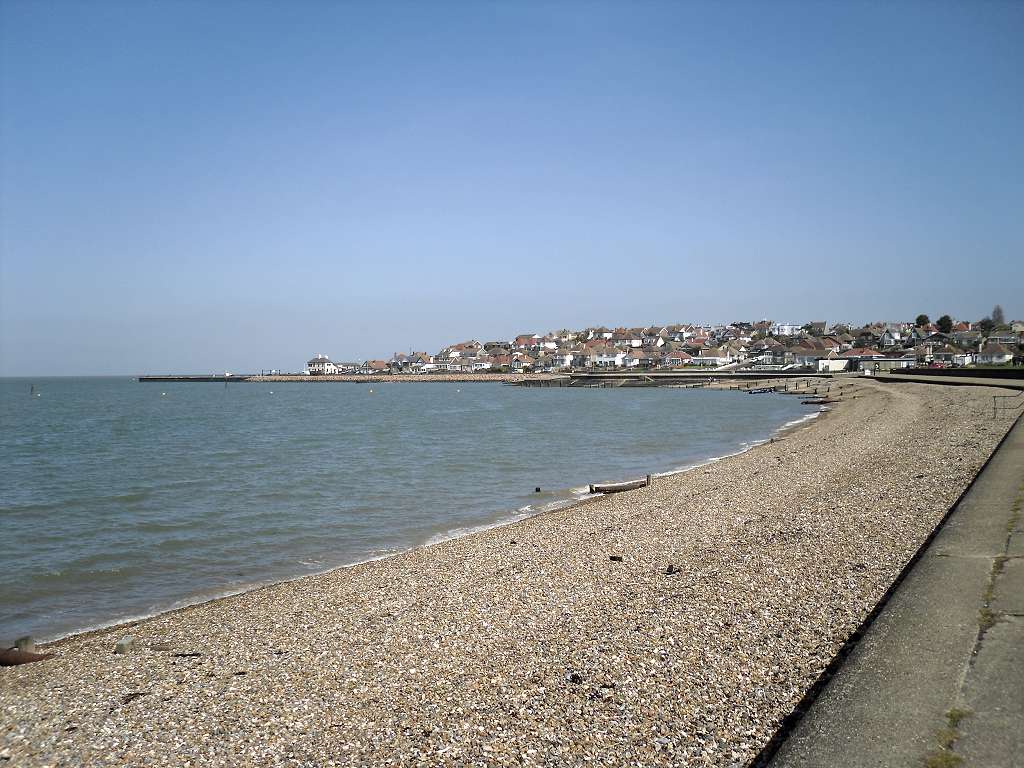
x=629, y=485
x=12, y=657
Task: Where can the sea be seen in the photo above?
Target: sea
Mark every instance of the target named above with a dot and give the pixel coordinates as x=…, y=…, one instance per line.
x=120, y=499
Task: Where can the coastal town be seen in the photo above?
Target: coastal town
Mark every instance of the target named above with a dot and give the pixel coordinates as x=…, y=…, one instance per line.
x=763, y=345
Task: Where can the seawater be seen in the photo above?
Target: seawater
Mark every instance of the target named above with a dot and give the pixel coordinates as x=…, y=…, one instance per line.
x=119, y=499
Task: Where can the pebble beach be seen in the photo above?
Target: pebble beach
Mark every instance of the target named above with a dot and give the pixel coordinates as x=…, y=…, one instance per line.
x=676, y=624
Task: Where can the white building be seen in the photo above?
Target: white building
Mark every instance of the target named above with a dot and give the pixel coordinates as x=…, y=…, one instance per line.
x=321, y=365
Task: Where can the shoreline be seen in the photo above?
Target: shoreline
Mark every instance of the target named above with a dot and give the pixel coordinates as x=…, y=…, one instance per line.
x=677, y=624
x=513, y=517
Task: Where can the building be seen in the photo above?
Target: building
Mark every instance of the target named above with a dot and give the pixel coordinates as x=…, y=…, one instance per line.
x=993, y=354
x=321, y=365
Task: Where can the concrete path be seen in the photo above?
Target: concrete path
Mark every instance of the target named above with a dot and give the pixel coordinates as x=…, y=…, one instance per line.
x=938, y=678
x=971, y=381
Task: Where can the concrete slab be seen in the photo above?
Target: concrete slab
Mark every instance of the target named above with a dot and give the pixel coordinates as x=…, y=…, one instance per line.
x=1009, y=591
x=994, y=690
x=884, y=706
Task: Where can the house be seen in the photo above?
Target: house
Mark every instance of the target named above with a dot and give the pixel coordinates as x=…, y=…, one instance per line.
x=559, y=359
x=411, y=363
x=526, y=341
x=890, y=338
x=521, y=362
x=817, y=327
x=933, y=352
x=321, y=365
x=993, y=354
x=858, y=356
x=641, y=358
x=1004, y=338
x=786, y=329
x=374, y=366
x=715, y=356
x=654, y=337
x=675, y=359
x=607, y=357
x=807, y=357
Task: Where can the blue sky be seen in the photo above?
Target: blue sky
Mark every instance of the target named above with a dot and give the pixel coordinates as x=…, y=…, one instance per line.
x=206, y=186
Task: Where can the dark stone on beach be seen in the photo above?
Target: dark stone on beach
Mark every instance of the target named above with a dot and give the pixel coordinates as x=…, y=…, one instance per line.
x=615, y=558
x=161, y=646
x=512, y=541
x=670, y=570
x=574, y=677
x=190, y=655
x=12, y=657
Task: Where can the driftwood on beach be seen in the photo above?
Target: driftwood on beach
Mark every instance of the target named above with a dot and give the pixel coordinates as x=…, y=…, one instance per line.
x=628, y=485
x=12, y=657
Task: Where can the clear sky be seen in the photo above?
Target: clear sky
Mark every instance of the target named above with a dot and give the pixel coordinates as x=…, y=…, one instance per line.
x=201, y=186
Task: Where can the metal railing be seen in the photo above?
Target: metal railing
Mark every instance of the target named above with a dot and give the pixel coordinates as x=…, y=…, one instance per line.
x=997, y=406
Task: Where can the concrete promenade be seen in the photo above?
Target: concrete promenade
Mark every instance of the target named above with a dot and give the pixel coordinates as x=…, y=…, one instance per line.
x=938, y=678
x=963, y=381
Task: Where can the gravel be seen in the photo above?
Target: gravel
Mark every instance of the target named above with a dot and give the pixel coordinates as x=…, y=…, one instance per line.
x=532, y=644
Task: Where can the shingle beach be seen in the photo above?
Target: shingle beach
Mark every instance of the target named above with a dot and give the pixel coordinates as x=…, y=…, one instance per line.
x=673, y=625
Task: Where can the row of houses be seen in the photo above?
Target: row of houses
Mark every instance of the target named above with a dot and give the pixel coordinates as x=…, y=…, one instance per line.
x=764, y=344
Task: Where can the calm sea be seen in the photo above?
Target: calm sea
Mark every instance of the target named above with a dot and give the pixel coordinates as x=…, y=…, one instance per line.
x=119, y=499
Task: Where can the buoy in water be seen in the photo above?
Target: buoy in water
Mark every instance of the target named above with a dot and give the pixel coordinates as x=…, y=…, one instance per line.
x=163, y=394
x=371, y=391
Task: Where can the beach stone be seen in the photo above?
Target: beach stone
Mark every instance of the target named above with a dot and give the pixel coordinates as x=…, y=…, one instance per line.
x=125, y=645
x=26, y=644
x=615, y=558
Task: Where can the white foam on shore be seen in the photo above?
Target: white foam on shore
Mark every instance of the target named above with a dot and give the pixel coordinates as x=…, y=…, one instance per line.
x=801, y=420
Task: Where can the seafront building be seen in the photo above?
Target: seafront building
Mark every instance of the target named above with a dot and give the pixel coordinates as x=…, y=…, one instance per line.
x=761, y=345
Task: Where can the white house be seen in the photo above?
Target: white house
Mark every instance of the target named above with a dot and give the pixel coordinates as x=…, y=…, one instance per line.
x=321, y=365
x=607, y=357
x=785, y=329
x=993, y=354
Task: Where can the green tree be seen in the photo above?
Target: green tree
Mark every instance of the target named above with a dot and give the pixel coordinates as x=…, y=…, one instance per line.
x=922, y=321
x=945, y=324
x=998, y=318
x=985, y=325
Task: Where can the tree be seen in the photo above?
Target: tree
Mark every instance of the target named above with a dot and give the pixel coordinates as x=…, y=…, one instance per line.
x=922, y=321
x=945, y=324
x=997, y=315
x=985, y=325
